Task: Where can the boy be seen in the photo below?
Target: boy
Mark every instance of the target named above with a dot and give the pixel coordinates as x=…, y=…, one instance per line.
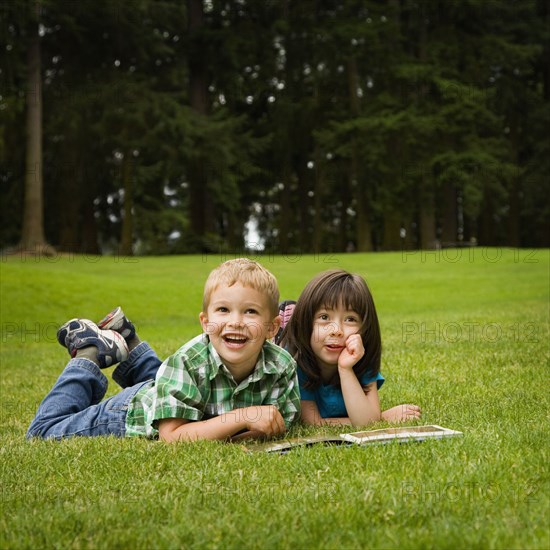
x=229, y=381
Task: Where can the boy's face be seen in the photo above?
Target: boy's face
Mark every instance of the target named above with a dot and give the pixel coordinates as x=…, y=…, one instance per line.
x=238, y=322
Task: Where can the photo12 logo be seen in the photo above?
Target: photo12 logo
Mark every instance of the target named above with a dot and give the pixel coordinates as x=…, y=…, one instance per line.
x=468, y=491
x=221, y=251
x=247, y=491
x=54, y=257
x=469, y=331
x=25, y=333
x=471, y=254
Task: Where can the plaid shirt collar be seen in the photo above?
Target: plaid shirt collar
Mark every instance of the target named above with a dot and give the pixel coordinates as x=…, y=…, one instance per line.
x=260, y=370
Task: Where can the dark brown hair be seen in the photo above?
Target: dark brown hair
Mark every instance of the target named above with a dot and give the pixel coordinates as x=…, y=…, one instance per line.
x=331, y=289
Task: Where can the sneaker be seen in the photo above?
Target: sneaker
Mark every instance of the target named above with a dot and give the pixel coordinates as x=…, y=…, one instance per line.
x=81, y=333
x=117, y=321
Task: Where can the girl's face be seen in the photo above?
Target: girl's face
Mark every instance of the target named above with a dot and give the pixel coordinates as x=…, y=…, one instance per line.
x=331, y=329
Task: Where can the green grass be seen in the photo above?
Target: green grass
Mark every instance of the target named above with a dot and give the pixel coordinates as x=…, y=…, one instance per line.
x=465, y=336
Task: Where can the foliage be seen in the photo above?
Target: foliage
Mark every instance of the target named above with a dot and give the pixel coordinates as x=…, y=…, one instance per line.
x=333, y=124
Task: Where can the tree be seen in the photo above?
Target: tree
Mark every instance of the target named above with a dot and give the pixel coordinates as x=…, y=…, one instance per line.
x=336, y=123
x=32, y=238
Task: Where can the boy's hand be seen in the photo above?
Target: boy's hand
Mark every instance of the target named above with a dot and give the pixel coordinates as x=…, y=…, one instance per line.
x=353, y=351
x=265, y=419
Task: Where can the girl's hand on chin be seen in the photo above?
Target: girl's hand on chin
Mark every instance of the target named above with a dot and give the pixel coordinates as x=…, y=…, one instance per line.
x=353, y=351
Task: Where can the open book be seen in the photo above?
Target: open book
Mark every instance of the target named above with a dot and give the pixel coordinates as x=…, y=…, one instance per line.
x=385, y=435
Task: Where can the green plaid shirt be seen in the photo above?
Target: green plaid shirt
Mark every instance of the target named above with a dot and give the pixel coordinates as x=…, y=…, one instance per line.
x=194, y=384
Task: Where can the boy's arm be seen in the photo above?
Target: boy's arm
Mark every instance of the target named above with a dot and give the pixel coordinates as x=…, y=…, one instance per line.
x=262, y=420
x=286, y=395
x=180, y=399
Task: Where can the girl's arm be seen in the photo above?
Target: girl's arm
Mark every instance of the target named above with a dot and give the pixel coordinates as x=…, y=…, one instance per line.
x=402, y=413
x=362, y=403
x=310, y=415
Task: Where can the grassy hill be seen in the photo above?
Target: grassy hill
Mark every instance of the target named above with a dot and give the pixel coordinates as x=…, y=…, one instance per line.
x=465, y=335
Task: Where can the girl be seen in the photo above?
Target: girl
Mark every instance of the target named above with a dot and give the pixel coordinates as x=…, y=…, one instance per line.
x=334, y=336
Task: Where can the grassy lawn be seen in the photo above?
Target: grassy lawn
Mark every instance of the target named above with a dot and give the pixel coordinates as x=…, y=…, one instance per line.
x=465, y=336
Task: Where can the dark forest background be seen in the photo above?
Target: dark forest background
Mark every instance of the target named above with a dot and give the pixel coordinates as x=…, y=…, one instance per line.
x=171, y=126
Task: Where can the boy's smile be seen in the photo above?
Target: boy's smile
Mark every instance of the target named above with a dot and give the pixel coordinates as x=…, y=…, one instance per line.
x=238, y=322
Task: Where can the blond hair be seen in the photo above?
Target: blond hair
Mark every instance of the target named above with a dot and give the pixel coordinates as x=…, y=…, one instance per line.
x=247, y=273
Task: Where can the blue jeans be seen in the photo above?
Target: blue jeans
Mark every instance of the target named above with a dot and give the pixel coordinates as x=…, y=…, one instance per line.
x=74, y=407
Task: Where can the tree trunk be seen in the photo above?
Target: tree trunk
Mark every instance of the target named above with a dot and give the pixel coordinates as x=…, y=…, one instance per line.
x=32, y=238
x=316, y=238
x=68, y=203
x=427, y=226
x=392, y=231
x=513, y=214
x=198, y=87
x=426, y=216
x=449, y=222
x=235, y=229
x=513, y=189
x=304, y=237
x=358, y=183
x=345, y=197
x=285, y=216
x=363, y=228
x=126, y=238
x=426, y=207
x=486, y=224
x=201, y=207
x=89, y=238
